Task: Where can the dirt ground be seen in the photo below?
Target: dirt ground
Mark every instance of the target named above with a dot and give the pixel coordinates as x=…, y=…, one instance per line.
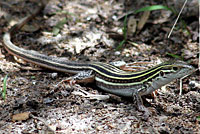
x=88, y=30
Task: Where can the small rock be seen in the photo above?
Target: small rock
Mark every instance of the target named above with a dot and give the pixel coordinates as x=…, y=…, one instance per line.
x=117, y=53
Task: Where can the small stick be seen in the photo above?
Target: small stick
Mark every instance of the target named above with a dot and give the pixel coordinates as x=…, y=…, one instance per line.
x=177, y=19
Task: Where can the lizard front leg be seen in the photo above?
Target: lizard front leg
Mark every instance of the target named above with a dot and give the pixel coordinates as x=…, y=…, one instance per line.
x=140, y=105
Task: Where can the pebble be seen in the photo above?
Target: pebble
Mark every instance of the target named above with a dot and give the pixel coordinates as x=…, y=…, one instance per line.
x=117, y=53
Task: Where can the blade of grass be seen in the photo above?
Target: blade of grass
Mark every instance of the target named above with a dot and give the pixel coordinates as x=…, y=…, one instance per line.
x=4, y=87
x=148, y=8
x=154, y=7
x=175, y=56
x=120, y=45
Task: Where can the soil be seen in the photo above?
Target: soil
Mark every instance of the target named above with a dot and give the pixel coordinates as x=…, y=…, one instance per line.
x=86, y=30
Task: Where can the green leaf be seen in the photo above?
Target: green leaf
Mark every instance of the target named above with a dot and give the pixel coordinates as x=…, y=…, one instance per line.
x=198, y=118
x=154, y=7
x=55, y=31
x=4, y=87
x=32, y=77
x=58, y=26
x=61, y=23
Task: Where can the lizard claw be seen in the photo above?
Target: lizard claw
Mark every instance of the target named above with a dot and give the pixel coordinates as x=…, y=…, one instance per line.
x=147, y=112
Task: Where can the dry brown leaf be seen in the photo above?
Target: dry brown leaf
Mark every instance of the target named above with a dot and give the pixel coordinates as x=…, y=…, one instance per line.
x=30, y=28
x=20, y=116
x=132, y=24
x=143, y=20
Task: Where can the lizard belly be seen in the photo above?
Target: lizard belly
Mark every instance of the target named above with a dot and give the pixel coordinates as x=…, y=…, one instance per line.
x=120, y=90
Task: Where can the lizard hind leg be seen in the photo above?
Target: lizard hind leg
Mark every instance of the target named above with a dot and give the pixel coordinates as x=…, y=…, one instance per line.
x=74, y=81
x=81, y=77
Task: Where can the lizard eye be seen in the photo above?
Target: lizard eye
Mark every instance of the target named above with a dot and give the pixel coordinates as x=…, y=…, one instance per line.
x=175, y=68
